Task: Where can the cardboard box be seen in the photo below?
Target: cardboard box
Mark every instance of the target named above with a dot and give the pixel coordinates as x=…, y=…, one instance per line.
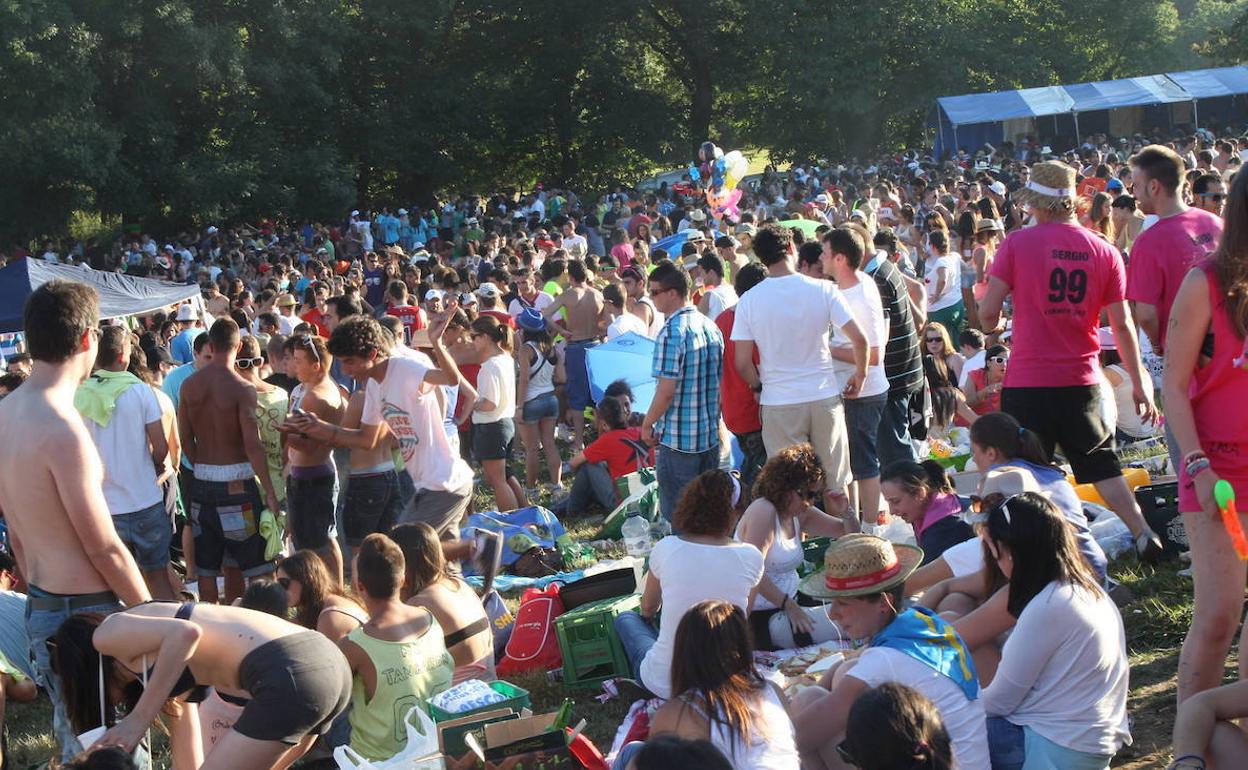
x=525, y=743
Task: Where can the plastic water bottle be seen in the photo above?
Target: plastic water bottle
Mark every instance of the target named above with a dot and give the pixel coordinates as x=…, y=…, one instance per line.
x=637, y=542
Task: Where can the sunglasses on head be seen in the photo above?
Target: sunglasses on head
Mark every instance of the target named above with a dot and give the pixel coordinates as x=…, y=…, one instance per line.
x=306, y=342
x=247, y=363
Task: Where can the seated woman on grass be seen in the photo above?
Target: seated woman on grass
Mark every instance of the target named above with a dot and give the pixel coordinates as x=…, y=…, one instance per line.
x=429, y=584
x=722, y=696
x=864, y=576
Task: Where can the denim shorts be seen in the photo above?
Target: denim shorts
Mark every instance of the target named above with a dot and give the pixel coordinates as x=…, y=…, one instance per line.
x=543, y=407
x=492, y=440
x=311, y=502
x=862, y=426
x=147, y=534
x=225, y=520
x=374, y=502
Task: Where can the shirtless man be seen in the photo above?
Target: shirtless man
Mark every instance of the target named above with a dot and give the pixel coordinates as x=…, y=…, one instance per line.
x=51, y=484
x=639, y=303
x=585, y=308
x=221, y=439
x=312, y=481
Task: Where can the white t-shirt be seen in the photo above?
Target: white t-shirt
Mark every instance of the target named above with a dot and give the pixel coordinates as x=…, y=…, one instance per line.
x=953, y=281
x=286, y=324
x=682, y=568
x=964, y=719
x=129, y=476
x=975, y=362
x=409, y=406
x=541, y=302
x=575, y=245
x=719, y=299
x=864, y=301
x=788, y=319
x=624, y=323
x=965, y=558
x=497, y=383
x=1064, y=671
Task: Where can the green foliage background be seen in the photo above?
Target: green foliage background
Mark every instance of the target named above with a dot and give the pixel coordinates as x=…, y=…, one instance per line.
x=171, y=113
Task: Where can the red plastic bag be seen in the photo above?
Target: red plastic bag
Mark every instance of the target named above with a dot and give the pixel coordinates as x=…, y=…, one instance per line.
x=533, y=643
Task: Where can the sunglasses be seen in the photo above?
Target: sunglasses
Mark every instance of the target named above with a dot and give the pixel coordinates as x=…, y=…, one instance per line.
x=1215, y=197
x=843, y=752
x=930, y=340
x=810, y=495
x=999, y=360
x=306, y=342
x=247, y=363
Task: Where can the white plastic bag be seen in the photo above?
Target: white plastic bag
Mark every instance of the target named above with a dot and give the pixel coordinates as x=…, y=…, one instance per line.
x=420, y=753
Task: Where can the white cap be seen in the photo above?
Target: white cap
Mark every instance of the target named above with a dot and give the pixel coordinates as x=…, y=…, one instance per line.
x=821, y=198
x=355, y=212
x=168, y=247
x=402, y=212
x=434, y=294
x=998, y=187
x=488, y=289
x=212, y=229
x=187, y=313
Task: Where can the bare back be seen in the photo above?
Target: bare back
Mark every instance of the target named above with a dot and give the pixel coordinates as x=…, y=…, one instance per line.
x=210, y=407
x=584, y=306
x=43, y=442
x=324, y=400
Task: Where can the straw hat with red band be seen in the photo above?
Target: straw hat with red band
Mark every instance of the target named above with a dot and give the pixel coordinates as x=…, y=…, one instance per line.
x=858, y=565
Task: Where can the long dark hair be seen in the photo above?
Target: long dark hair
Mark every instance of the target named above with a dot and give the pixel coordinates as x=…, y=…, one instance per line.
x=544, y=343
x=927, y=477
x=1042, y=545
x=315, y=583
x=1000, y=431
x=714, y=660
x=422, y=555
x=76, y=661
x=1230, y=261
x=895, y=727
x=943, y=389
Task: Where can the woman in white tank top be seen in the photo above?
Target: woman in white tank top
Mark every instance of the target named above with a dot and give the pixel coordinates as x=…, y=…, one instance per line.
x=787, y=487
x=721, y=696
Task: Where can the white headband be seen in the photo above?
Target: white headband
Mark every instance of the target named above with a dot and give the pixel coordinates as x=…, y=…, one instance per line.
x=1053, y=192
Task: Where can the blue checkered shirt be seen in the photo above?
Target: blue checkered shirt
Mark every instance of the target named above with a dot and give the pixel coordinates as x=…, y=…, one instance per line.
x=690, y=350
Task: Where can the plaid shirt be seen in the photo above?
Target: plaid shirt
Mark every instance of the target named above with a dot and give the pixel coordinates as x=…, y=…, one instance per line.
x=690, y=350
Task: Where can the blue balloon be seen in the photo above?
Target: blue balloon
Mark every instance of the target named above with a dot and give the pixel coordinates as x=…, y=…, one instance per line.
x=694, y=174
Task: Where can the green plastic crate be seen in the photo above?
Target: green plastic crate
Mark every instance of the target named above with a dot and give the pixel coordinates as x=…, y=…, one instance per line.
x=517, y=699
x=590, y=647
x=812, y=555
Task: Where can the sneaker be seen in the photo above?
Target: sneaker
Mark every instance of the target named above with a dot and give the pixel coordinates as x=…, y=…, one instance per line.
x=487, y=554
x=1148, y=546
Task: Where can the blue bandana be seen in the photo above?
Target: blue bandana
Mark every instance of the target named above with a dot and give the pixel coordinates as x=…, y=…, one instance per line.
x=932, y=641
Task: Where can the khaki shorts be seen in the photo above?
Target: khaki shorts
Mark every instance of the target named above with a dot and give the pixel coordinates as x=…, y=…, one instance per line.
x=821, y=423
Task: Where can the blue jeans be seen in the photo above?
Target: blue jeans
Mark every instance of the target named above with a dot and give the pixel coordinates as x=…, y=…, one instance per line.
x=593, y=483
x=1020, y=748
x=41, y=624
x=892, y=438
x=862, y=426
x=637, y=636
x=373, y=505
x=627, y=752
x=146, y=533
x=754, y=456
x=674, y=470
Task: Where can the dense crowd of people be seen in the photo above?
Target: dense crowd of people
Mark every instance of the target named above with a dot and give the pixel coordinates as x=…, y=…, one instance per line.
x=369, y=375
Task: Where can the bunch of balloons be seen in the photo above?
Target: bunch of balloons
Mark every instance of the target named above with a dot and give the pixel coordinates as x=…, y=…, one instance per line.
x=719, y=173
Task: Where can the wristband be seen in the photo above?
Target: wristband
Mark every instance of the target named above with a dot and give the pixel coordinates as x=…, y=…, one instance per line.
x=1197, y=466
x=1189, y=760
x=1192, y=455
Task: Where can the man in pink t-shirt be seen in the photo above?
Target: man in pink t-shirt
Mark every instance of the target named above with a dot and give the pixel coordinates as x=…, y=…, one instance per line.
x=1062, y=276
x=1162, y=254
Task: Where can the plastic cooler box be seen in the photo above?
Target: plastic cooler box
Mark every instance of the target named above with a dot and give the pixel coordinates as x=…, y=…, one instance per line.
x=587, y=640
x=1160, y=505
x=517, y=699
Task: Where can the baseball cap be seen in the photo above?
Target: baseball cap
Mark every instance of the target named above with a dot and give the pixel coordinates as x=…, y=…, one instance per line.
x=434, y=294
x=187, y=313
x=1114, y=184
x=488, y=289
x=402, y=212
x=212, y=229
x=997, y=187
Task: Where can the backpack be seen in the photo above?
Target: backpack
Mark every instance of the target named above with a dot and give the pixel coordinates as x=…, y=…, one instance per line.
x=533, y=643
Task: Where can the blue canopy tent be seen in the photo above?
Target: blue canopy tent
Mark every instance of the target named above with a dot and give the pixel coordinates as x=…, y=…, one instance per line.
x=120, y=295
x=977, y=119
x=1216, y=87
x=972, y=120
